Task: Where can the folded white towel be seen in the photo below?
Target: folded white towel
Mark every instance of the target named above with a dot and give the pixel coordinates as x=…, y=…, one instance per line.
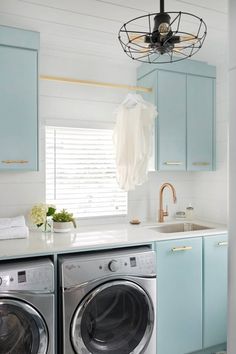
x=14, y=232
x=6, y=223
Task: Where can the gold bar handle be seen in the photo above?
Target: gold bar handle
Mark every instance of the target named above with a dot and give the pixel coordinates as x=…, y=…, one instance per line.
x=184, y=248
x=173, y=163
x=201, y=163
x=14, y=161
x=223, y=243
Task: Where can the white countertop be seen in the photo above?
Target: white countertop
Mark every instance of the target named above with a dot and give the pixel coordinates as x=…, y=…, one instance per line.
x=97, y=237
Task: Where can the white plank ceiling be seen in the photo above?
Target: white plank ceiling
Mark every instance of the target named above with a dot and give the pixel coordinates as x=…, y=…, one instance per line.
x=90, y=27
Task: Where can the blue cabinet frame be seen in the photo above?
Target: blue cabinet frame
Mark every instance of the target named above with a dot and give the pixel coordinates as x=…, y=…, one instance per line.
x=184, y=93
x=192, y=295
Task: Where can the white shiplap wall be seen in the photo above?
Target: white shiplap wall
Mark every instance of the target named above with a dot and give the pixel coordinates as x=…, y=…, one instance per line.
x=73, y=104
x=67, y=104
x=86, y=105
x=79, y=39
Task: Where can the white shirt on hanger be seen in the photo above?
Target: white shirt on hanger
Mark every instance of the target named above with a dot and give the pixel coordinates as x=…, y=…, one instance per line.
x=133, y=140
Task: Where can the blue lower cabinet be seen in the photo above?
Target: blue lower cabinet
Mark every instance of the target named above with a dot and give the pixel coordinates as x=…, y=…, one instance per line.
x=213, y=350
x=179, y=296
x=215, y=290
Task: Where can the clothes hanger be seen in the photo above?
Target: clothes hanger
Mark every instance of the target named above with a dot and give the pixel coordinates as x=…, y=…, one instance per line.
x=132, y=99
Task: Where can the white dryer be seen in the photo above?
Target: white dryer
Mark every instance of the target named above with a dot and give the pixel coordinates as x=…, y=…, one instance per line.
x=109, y=302
x=27, y=307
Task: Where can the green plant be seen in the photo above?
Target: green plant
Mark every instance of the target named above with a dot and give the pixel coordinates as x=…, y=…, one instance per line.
x=64, y=216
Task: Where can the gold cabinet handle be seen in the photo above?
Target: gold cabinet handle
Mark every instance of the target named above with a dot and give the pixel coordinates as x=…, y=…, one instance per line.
x=201, y=163
x=184, y=248
x=223, y=243
x=175, y=163
x=14, y=161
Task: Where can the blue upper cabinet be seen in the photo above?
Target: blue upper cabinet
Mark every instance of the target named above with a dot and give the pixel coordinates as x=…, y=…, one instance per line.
x=184, y=94
x=200, y=124
x=215, y=290
x=18, y=99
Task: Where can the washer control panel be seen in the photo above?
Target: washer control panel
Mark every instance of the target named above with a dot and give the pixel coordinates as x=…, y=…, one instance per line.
x=82, y=269
x=27, y=277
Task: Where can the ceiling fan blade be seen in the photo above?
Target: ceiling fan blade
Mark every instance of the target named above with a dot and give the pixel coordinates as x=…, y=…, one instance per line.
x=145, y=50
x=177, y=50
x=138, y=38
x=189, y=38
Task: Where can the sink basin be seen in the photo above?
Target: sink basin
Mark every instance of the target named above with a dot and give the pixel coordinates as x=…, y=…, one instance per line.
x=182, y=227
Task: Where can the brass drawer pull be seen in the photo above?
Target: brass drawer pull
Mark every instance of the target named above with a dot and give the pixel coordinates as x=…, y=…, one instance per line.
x=201, y=163
x=223, y=243
x=184, y=248
x=14, y=161
x=174, y=163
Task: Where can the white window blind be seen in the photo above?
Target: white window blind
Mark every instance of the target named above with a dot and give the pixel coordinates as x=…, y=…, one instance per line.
x=81, y=174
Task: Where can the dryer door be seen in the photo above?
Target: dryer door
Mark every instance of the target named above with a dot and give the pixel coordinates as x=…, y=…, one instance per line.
x=116, y=317
x=22, y=329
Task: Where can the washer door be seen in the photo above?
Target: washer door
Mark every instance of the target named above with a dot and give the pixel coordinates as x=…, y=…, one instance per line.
x=117, y=317
x=22, y=329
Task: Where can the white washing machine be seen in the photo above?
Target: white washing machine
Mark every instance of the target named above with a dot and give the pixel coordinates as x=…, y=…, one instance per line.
x=108, y=302
x=27, y=307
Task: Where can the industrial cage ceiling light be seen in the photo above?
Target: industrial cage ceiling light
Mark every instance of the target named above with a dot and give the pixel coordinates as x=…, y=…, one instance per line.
x=175, y=36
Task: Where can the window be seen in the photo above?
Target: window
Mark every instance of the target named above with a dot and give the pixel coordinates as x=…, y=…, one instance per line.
x=81, y=174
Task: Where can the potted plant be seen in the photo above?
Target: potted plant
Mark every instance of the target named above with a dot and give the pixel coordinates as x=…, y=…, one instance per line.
x=63, y=221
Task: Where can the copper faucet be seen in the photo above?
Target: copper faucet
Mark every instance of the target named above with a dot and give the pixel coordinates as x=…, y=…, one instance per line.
x=163, y=213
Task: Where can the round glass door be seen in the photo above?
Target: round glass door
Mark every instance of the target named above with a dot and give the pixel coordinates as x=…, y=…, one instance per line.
x=117, y=317
x=22, y=329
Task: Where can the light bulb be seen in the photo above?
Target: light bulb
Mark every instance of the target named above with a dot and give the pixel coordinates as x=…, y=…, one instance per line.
x=164, y=28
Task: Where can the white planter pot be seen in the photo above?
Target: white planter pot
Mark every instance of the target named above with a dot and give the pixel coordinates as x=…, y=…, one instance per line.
x=62, y=226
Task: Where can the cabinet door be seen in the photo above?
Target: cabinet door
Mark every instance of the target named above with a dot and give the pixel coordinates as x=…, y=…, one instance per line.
x=150, y=81
x=18, y=109
x=200, y=123
x=215, y=290
x=171, y=121
x=179, y=296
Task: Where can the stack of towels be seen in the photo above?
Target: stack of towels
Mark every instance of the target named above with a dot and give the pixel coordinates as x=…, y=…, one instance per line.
x=13, y=228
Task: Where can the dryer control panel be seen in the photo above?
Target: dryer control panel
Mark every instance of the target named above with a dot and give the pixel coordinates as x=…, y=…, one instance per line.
x=84, y=268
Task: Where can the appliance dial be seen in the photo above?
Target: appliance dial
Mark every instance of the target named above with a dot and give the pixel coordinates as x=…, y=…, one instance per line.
x=113, y=266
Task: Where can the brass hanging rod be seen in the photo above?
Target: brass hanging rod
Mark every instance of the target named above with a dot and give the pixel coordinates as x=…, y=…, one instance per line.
x=96, y=83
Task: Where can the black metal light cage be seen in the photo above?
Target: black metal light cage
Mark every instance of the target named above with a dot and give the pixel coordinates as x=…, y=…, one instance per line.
x=175, y=36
